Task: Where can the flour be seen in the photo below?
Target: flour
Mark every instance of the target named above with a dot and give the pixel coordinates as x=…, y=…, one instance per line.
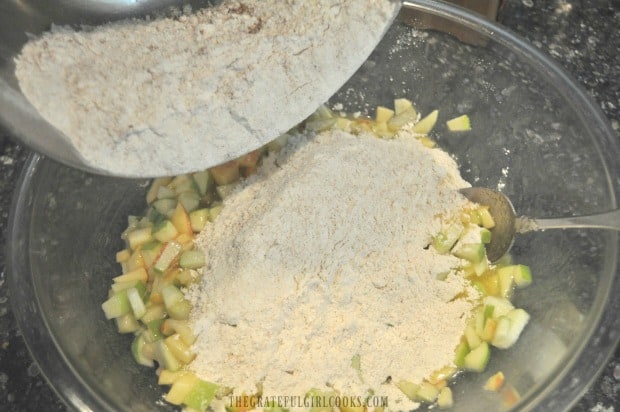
x=162, y=97
x=322, y=256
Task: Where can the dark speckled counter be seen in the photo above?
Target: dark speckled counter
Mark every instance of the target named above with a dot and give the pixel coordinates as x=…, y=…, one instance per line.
x=583, y=36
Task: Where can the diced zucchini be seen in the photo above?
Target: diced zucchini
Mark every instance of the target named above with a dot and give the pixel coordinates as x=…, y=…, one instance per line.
x=150, y=252
x=472, y=252
x=425, y=125
x=180, y=310
x=138, y=237
x=117, y=305
x=127, y=323
x=165, y=206
x=473, y=340
x=201, y=395
x=478, y=358
x=383, y=114
x=459, y=124
x=410, y=389
x=184, y=330
x=403, y=105
x=190, y=200
x=182, y=183
x=165, y=192
x=460, y=352
x=203, y=181
x=136, y=351
x=198, y=219
x=179, y=349
x=136, y=302
x=152, y=332
x=445, y=240
x=427, y=393
x=139, y=275
x=485, y=216
x=164, y=357
x=501, y=306
x=120, y=286
x=153, y=312
x=521, y=274
x=485, y=236
x=181, y=388
x=151, y=195
x=192, y=259
x=445, y=399
x=509, y=328
x=488, y=332
x=506, y=281
x=172, y=295
x=168, y=254
x=165, y=231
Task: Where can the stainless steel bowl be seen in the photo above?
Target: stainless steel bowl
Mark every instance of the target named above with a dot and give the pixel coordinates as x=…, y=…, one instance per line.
x=535, y=135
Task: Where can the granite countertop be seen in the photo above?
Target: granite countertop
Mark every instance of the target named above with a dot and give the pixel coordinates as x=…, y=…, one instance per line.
x=583, y=36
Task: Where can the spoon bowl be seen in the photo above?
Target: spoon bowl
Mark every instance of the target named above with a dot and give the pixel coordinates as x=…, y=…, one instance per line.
x=507, y=224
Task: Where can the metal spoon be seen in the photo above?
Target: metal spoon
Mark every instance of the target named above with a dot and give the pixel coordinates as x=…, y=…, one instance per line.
x=507, y=224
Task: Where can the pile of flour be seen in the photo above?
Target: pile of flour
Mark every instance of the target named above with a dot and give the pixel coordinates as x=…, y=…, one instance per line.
x=323, y=256
x=172, y=95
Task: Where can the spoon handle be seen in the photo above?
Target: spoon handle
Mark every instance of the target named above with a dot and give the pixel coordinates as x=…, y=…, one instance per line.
x=607, y=220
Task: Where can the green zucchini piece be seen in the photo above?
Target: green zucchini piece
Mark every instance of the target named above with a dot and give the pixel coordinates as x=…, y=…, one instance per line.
x=478, y=358
x=201, y=395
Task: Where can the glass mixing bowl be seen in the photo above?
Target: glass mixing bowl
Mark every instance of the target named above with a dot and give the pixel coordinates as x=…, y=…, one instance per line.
x=535, y=136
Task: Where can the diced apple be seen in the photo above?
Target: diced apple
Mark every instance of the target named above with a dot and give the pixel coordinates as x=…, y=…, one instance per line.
x=165, y=206
x=165, y=231
x=460, y=352
x=495, y=382
x=136, y=351
x=138, y=237
x=151, y=195
x=117, y=305
x=506, y=281
x=521, y=274
x=123, y=255
x=201, y=395
x=153, y=312
x=180, y=310
x=192, y=259
x=203, y=181
x=459, y=124
x=478, y=358
x=190, y=200
x=183, y=328
x=425, y=125
x=214, y=212
x=383, y=114
x=473, y=340
x=165, y=192
x=403, y=105
x=164, y=357
x=138, y=274
x=486, y=219
x=485, y=235
x=225, y=173
x=509, y=328
x=410, y=389
x=401, y=119
x=136, y=302
x=170, y=251
x=182, y=183
x=250, y=159
x=167, y=377
x=445, y=399
x=150, y=251
x=489, y=330
x=427, y=393
x=127, y=323
x=501, y=306
x=509, y=395
x=445, y=240
x=181, y=388
x=198, y=219
x=179, y=349
x=427, y=141
x=472, y=252
x=442, y=374
x=180, y=220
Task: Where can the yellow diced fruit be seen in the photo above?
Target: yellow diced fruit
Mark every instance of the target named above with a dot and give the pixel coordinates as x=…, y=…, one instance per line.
x=343, y=124
x=179, y=349
x=402, y=105
x=138, y=237
x=459, y=124
x=165, y=231
x=225, y=173
x=214, y=212
x=425, y=125
x=250, y=159
x=187, y=241
x=381, y=129
x=135, y=261
x=410, y=389
x=138, y=274
x=182, y=183
x=509, y=395
x=186, y=277
x=445, y=399
x=180, y=220
x=167, y=377
x=402, y=119
x=489, y=330
x=123, y=256
x=427, y=392
x=180, y=388
x=442, y=374
x=495, y=382
x=427, y=142
x=485, y=218
x=383, y=114
x=151, y=195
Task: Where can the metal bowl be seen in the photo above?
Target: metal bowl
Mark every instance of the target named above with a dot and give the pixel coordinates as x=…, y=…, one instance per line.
x=536, y=136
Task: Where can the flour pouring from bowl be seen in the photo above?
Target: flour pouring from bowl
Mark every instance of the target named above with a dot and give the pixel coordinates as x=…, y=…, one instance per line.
x=154, y=97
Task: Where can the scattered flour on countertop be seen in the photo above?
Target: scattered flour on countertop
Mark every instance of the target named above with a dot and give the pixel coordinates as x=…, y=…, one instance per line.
x=167, y=96
x=322, y=256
